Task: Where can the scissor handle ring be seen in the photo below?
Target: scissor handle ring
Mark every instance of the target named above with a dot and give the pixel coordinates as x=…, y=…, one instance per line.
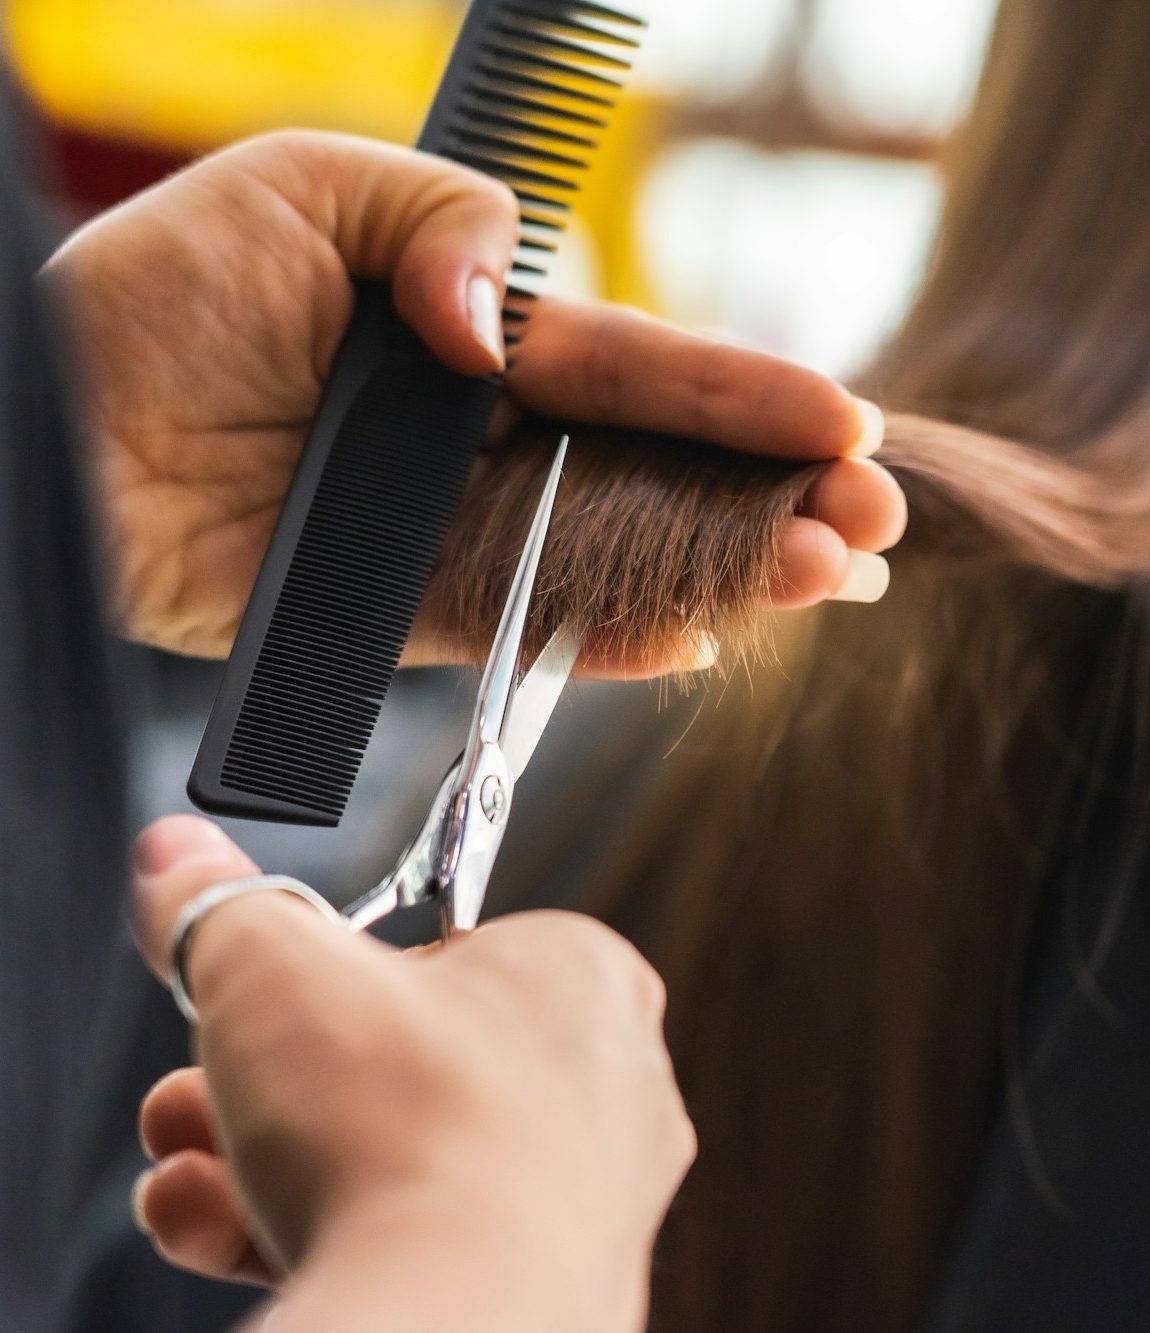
x=194, y=911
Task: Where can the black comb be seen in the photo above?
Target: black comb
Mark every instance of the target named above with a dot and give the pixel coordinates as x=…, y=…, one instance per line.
x=524, y=97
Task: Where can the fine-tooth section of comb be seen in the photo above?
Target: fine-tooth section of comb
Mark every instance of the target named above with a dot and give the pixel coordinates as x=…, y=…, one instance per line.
x=314, y=695
x=524, y=116
x=525, y=98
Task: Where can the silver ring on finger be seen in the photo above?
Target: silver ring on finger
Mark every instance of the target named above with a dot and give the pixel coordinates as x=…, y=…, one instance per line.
x=193, y=912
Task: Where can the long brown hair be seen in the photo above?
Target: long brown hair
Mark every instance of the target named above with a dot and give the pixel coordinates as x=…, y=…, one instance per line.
x=837, y=884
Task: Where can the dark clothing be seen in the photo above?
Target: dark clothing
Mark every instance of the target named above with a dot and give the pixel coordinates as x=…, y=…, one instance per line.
x=61, y=793
x=1057, y=1235
x=82, y=1029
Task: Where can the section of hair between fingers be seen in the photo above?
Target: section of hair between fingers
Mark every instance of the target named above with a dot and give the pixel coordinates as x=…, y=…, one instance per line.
x=654, y=541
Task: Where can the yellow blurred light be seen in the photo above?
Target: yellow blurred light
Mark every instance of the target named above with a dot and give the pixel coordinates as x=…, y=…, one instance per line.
x=184, y=74
x=187, y=75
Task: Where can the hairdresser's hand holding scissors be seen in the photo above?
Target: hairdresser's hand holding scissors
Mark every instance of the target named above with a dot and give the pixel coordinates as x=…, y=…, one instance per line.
x=210, y=307
x=364, y=1116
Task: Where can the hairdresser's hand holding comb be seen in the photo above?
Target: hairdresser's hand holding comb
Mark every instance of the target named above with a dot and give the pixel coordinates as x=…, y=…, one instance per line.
x=484, y=1137
x=208, y=310
x=661, y=550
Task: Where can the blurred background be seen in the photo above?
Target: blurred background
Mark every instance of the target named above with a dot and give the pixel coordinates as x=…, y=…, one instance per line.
x=770, y=177
x=769, y=174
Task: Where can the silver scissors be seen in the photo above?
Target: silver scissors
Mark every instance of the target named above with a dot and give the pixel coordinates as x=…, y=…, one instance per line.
x=451, y=860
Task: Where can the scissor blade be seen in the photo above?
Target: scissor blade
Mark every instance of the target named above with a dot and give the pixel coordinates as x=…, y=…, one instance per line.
x=536, y=697
x=497, y=687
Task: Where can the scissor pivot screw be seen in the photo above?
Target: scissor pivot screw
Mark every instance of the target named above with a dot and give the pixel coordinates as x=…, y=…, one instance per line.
x=493, y=799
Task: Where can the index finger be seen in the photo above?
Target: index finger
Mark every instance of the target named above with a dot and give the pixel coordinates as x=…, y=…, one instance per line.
x=608, y=365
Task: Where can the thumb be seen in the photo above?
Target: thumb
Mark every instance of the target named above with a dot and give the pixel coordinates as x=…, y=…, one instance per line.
x=442, y=234
x=173, y=860
x=179, y=857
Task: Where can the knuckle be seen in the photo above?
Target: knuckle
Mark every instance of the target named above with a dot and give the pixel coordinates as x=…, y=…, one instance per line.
x=491, y=196
x=602, y=366
x=649, y=986
x=565, y=948
x=288, y=141
x=612, y=964
x=677, y=1138
x=632, y=314
x=260, y=152
x=452, y=203
x=294, y=162
x=576, y=932
x=503, y=203
x=498, y=197
x=448, y=188
x=710, y=387
x=685, y=1140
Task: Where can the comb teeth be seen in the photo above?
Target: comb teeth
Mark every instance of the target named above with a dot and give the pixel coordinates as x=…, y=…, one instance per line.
x=533, y=106
x=541, y=75
x=502, y=143
x=564, y=21
x=351, y=588
x=492, y=120
x=524, y=99
x=562, y=45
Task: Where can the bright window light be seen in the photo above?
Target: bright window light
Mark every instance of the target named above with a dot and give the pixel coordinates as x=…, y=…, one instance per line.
x=712, y=48
x=814, y=256
x=897, y=65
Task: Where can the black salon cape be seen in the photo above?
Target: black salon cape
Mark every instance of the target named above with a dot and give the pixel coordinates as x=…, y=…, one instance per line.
x=1057, y=1239
x=83, y=1030
x=1057, y=1234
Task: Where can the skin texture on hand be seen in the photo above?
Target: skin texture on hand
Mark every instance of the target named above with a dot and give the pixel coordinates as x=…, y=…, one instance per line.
x=483, y=1136
x=206, y=312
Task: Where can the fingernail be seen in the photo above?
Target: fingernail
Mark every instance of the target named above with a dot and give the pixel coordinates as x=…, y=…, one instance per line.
x=873, y=430
x=868, y=577
x=172, y=840
x=139, y=1190
x=483, y=311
